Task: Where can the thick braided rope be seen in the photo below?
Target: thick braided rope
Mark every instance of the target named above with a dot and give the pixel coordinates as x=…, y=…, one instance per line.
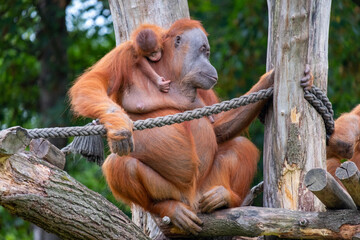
x=314, y=96
x=205, y=111
x=64, y=132
x=323, y=98
x=58, y=132
x=323, y=106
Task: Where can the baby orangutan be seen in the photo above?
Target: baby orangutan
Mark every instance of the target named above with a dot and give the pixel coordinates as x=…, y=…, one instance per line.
x=147, y=40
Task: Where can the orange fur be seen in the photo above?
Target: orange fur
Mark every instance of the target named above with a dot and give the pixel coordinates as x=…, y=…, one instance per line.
x=172, y=167
x=182, y=25
x=146, y=40
x=344, y=142
x=225, y=127
x=158, y=33
x=208, y=96
x=89, y=95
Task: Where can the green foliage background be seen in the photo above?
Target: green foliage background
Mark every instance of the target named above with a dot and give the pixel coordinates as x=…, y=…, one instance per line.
x=238, y=38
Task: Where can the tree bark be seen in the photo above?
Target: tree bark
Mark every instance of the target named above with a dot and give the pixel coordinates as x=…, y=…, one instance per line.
x=349, y=175
x=328, y=190
x=127, y=16
x=12, y=140
x=47, y=196
x=43, y=149
x=294, y=140
x=257, y=221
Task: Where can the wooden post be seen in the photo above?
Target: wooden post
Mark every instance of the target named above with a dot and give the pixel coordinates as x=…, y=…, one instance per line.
x=127, y=16
x=294, y=140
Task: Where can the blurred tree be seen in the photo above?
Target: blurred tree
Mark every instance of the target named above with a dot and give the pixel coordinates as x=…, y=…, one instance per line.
x=19, y=66
x=47, y=42
x=238, y=38
x=344, y=56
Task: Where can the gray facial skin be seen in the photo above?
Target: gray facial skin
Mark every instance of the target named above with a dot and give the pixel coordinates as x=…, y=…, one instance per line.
x=196, y=70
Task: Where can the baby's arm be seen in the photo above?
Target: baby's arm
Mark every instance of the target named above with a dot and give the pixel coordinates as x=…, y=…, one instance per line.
x=150, y=73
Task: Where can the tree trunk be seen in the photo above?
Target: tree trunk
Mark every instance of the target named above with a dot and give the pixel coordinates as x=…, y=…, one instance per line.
x=54, y=201
x=43, y=194
x=294, y=132
x=294, y=138
x=127, y=16
x=328, y=190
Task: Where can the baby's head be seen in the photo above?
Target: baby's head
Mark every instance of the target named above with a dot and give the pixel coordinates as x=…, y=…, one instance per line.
x=148, y=44
x=155, y=55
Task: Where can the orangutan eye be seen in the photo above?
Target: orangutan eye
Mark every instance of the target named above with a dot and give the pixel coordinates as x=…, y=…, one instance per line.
x=204, y=49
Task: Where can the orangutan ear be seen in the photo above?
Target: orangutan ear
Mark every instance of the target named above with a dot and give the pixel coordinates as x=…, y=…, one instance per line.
x=177, y=41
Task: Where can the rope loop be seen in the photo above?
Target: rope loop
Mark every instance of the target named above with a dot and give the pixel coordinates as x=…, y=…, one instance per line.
x=316, y=97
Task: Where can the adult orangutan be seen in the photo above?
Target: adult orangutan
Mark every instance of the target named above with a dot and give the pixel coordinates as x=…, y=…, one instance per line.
x=344, y=142
x=175, y=170
x=147, y=42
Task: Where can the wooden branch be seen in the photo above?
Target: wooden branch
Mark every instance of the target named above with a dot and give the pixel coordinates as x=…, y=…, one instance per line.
x=328, y=190
x=349, y=175
x=43, y=149
x=257, y=221
x=47, y=196
x=254, y=192
x=12, y=140
x=50, y=198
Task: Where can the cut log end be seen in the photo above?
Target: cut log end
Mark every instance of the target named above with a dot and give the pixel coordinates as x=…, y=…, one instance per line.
x=315, y=179
x=349, y=176
x=43, y=149
x=13, y=140
x=347, y=170
x=328, y=190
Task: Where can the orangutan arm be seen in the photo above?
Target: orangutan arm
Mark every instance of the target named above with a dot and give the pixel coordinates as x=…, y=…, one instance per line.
x=89, y=98
x=233, y=122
